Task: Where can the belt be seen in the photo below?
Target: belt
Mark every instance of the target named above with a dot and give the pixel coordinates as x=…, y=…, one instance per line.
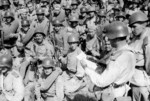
x=114, y=85
x=140, y=67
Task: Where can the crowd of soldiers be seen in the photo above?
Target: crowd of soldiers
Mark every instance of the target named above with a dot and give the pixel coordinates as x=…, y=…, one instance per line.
x=74, y=50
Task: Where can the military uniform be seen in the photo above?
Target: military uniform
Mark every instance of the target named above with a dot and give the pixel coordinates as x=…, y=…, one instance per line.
x=73, y=75
x=12, y=86
x=140, y=80
x=119, y=67
x=11, y=83
x=44, y=23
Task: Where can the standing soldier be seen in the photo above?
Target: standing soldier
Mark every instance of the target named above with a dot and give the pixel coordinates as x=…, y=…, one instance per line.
x=91, y=21
x=140, y=43
x=6, y=6
x=41, y=20
x=72, y=79
x=32, y=12
x=119, y=67
x=45, y=6
x=25, y=26
x=92, y=43
x=9, y=27
x=120, y=16
x=57, y=38
x=58, y=13
x=75, y=10
x=11, y=82
x=134, y=7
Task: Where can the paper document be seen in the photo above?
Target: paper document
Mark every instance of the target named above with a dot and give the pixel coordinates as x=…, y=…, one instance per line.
x=90, y=64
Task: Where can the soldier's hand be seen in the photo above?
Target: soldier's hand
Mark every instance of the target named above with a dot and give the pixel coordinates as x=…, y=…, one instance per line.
x=83, y=63
x=59, y=70
x=60, y=58
x=13, y=35
x=94, y=53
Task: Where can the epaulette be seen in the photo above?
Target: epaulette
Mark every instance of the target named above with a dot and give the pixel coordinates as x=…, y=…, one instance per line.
x=16, y=75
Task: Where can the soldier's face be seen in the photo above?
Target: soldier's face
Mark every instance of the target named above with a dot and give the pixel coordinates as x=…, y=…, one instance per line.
x=5, y=7
x=74, y=7
x=25, y=28
x=120, y=19
x=74, y=24
x=73, y=46
x=48, y=71
x=91, y=34
x=39, y=38
x=8, y=20
x=57, y=28
x=24, y=15
x=137, y=29
x=91, y=14
x=40, y=17
x=56, y=12
x=44, y=4
x=83, y=14
x=30, y=7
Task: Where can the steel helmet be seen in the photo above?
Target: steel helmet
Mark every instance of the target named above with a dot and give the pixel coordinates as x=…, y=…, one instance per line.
x=117, y=7
x=73, y=38
x=9, y=14
x=67, y=7
x=48, y=63
x=91, y=9
x=121, y=14
x=39, y=30
x=6, y=61
x=74, y=2
x=73, y=19
x=135, y=1
x=45, y=1
x=25, y=23
x=40, y=11
x=116, y=29
x=5, y=2
x=102, y=13
x=83, y=10
x=137, y=17
x=57, y=23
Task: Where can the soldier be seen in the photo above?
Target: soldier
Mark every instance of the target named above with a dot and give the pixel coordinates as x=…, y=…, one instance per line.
x=67, y=15
x=41, y=20
x=120, y=17
x=25, y=26
x=119, y=67
x=41, y=47
x=58, y=13
x=32, y=12
x=45, y=6
x=74, y=72
x=134, y=7
x=6, y=6
x=9, y=28
x=57, y=38
x=92, y=43
x=83, y=15
x=75, y=10
x=140, y=43
x=12, y=88
x=47, y=82
x=91, y=21
x=73, y=22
